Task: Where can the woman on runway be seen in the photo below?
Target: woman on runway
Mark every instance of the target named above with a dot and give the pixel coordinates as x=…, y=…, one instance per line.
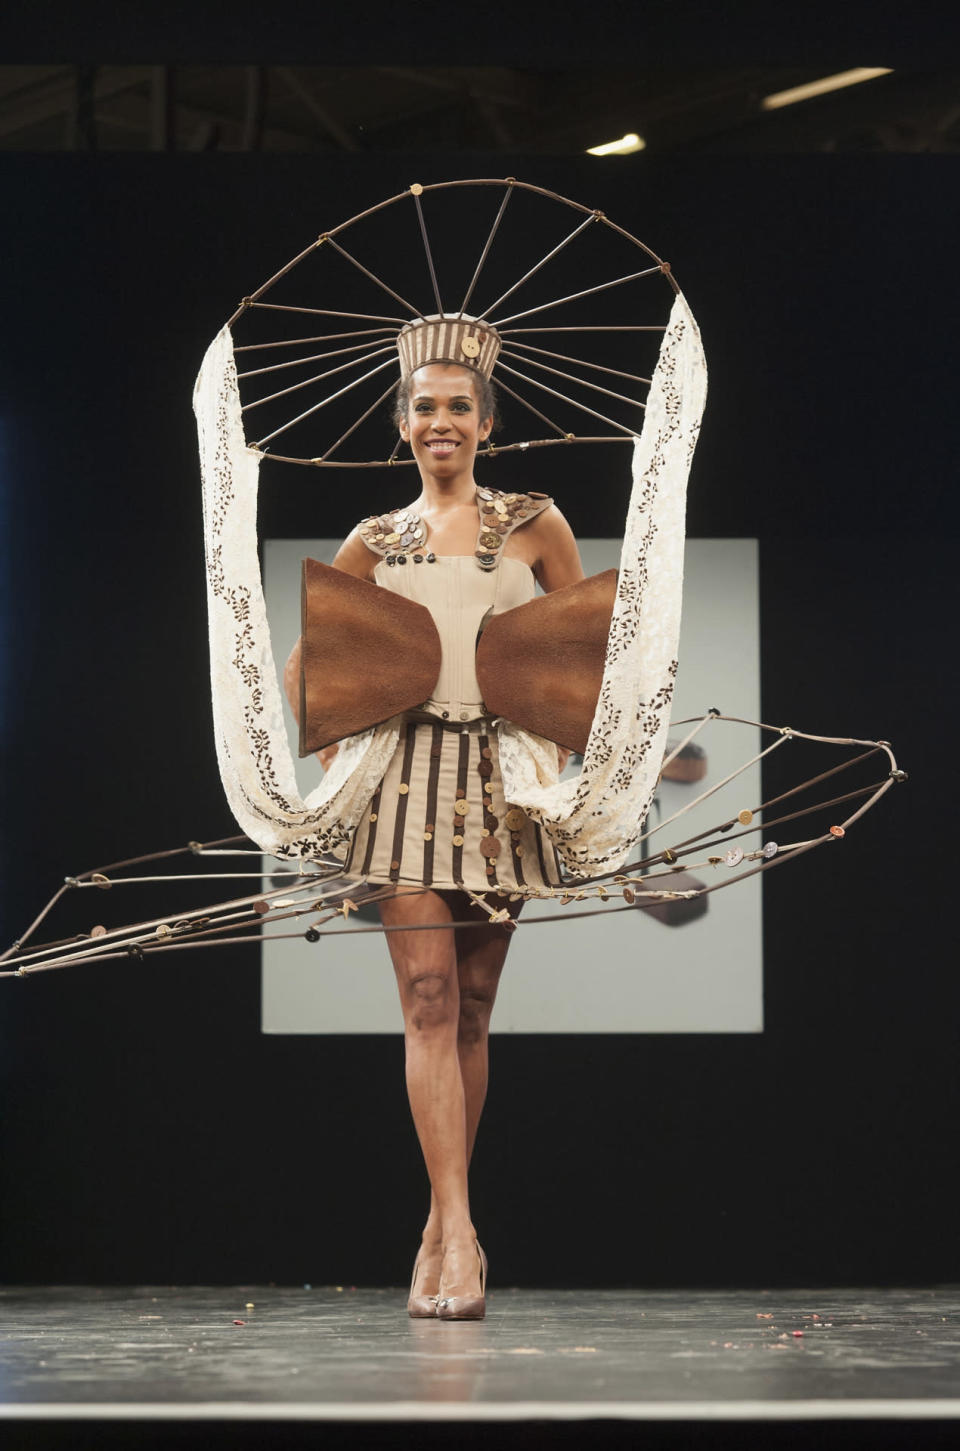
x=438, y=827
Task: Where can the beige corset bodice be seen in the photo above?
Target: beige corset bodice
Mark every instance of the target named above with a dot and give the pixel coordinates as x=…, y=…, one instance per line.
x=459, y=596
x=458, y=590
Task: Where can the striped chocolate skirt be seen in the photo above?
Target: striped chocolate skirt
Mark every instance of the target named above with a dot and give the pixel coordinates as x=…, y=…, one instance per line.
x=439, y=818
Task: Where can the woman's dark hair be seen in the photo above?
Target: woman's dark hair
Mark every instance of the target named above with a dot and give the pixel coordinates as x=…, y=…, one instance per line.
x=485, y=391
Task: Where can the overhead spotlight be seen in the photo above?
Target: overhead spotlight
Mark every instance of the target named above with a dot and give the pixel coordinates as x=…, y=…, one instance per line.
x=626, y=144
x=821, y=87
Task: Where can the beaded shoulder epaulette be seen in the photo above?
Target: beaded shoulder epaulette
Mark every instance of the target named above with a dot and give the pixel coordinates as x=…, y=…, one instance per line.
x=401, y=535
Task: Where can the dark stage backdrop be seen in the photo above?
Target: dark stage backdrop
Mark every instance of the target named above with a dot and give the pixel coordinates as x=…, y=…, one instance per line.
x=150, y=1133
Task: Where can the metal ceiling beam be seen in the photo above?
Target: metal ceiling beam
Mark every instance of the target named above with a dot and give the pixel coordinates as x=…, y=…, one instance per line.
x=320, y=113
x=54, y=95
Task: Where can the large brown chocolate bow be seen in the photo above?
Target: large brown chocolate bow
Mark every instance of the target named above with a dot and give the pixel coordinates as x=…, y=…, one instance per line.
x=368, y=654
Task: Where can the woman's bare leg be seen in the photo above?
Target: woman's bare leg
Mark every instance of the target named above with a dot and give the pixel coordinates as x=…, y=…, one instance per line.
x=480, y=957
x=425, y=964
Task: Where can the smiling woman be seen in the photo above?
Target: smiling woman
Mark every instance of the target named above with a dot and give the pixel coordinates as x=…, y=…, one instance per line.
x=438, y=827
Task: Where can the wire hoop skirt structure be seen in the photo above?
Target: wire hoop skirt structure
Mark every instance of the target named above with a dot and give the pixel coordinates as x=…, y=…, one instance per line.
x=708, y=852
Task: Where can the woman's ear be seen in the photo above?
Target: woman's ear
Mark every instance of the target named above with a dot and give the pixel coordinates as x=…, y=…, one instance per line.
x=485, y=429
x=404, y=430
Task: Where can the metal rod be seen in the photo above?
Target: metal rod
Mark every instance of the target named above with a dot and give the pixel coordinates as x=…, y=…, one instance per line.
x=193, y=848
x=362, y=419
x=588, y=328
x=300, y=362
x=575, y=296
x=394, y=462
x=15, y=946
x=323, y=338
x=572, y=401
x=542, y=263
x=712, y=790
x=318, y=377
x=426, y=248
x=662, y=266
x=824, y=775
x=251, y=301
x=571, y=377
x=766, y=825
x=566, y=358
x=328, y=312
x=483, y=255
x=542, y=416
x=390, y=362
x=374, y=278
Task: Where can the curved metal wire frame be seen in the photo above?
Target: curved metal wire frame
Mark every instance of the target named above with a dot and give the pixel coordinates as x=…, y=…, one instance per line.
x=318, y=892
x=390, y=326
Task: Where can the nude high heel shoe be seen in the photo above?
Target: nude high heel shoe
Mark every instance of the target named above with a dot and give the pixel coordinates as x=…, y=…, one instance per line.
x=465, y=1307
x=420, y=1307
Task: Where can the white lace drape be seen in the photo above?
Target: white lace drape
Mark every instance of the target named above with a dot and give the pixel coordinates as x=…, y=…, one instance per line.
x=597, y=817
x=593, y=820
x=256, y=765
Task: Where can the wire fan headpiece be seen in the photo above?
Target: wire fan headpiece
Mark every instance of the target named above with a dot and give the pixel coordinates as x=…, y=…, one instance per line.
x=557, y=304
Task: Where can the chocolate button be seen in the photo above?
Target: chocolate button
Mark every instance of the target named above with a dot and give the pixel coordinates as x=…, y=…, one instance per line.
x=486, y=753
x=490, y=847
x=485, y=768
x=515, y=818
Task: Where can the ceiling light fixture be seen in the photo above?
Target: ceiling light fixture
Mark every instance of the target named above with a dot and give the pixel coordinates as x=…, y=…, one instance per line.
x=821, y=87
x=623, y=147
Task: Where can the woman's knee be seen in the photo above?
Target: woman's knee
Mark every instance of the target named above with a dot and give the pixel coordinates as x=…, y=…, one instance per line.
x=430, y=1000
x=476, y=1005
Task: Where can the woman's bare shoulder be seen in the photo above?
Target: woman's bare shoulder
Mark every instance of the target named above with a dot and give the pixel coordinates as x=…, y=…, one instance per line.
x=354, y=556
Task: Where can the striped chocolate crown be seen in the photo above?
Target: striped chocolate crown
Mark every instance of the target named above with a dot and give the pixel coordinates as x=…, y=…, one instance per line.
x=443, y=339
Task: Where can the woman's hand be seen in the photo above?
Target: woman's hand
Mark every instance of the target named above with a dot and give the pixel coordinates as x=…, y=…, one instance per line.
x=563, y=755
x=326, y=755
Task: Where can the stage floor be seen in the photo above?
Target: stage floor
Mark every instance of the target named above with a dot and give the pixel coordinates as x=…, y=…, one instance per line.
x=346, y=1356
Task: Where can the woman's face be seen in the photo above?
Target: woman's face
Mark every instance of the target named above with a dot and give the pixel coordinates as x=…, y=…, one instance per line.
x=443, y=424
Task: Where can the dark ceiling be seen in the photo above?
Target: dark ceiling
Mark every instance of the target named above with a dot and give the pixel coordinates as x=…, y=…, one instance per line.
x=489, y=108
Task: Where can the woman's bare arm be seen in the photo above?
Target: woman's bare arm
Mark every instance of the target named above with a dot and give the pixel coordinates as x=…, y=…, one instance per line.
x=558, y=558
x=558, y=564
